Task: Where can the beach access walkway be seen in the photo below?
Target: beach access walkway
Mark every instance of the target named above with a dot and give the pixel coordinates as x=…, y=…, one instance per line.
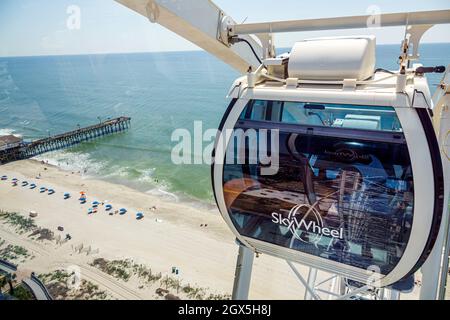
x=37, y=288
x=7, y=268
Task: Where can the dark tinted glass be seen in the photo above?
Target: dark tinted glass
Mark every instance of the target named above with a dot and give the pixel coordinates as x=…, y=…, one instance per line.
x=341, y=194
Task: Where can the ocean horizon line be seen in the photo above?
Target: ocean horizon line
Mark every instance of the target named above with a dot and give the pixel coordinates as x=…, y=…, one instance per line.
x=156, y=52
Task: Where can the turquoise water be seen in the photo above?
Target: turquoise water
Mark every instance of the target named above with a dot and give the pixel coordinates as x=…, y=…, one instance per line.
x=160, y=91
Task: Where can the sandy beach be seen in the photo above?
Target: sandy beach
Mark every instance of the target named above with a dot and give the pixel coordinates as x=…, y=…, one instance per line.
x=195, y=240
x=170, y=236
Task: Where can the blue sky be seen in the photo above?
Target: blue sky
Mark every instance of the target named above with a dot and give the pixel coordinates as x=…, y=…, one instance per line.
x=38, y=27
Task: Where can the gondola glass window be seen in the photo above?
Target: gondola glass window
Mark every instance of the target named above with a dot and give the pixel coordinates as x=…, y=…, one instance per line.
x=344, y=187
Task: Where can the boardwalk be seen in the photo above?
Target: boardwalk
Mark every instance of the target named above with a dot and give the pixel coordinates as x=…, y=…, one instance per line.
x=37, y=288
x=7, y=268
x=65, y=140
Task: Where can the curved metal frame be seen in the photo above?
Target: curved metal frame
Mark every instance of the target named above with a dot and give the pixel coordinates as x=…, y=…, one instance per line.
x=424, y=197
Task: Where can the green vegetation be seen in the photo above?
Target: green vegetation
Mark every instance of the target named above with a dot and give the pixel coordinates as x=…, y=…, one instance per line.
x=10, y=287
x=58, y=284
x=21, y=293
x=118, y=268
x=24, y=225
x=20, y=223
x=125, y=269
x=14, y=253
x=42, y=234
x=198, y=293
x=146, y=273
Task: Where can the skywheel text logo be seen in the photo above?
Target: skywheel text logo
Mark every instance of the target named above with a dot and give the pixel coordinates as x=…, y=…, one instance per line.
x=305, y=218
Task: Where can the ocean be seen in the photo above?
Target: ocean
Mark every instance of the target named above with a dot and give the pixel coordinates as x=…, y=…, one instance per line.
x=41, y=96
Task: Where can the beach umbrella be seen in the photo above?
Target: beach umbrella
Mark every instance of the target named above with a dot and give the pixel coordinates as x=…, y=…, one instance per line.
x=42, y=189
x=24, y=183
x=4, y=177
x=66, y=195
x=90, y=211
x=139, y=216
x=108, y=207
x=123, y=211
x=51, y=191
x=32, y=186
x=96, y=202
x=15, y=179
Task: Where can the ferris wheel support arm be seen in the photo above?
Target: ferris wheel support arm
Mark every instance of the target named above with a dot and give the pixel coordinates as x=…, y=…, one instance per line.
x=353, y=22
x=200, y=22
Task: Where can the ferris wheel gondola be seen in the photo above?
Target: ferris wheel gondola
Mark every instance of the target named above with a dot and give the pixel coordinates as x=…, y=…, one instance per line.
x=351, y=178
x=358, y=166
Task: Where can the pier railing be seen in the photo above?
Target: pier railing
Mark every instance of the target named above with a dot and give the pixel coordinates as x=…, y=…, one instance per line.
x=65, y=140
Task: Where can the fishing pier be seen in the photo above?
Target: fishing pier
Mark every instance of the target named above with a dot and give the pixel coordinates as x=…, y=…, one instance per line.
x=26, y=150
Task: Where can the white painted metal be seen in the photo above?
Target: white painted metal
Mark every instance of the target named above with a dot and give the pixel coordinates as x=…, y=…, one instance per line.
x=243, y=273
x=199, y=21
x=435, y=269
x=353, y=22
x=312, y=276
x=423, y=191
x=336, y=58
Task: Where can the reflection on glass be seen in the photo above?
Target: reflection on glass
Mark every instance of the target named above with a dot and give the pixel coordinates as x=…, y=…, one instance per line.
x=345, y=199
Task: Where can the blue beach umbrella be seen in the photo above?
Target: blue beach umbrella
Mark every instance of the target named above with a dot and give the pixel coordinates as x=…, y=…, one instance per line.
x=139, y=216
x=108, y=207
x=123, y=211
x=51, y=191
x=66, y=195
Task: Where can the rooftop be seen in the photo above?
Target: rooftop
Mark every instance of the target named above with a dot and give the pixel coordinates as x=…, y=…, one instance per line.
x=10, y=139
